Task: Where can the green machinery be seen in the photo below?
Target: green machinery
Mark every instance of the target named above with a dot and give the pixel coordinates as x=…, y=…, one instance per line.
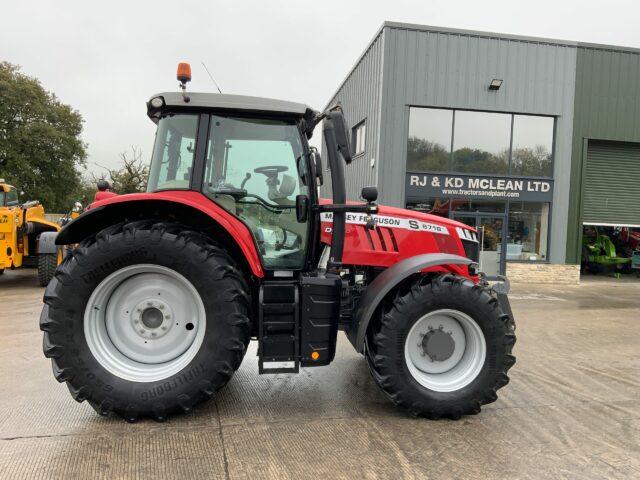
x=599, y=253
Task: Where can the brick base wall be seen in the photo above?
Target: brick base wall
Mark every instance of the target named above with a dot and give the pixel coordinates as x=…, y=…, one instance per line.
x=543, y=273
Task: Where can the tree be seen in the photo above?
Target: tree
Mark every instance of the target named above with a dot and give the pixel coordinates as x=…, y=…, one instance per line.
x=534, y=161
x=423, y=155
x=40, y=145
x=132, y=177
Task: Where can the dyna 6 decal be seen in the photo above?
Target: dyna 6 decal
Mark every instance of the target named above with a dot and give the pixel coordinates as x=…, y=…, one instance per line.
x=392, y=222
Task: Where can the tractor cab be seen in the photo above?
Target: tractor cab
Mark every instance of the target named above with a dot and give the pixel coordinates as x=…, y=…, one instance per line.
x=249, y=156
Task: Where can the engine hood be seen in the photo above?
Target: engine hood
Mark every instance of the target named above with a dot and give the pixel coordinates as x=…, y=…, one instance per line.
x=399, y=234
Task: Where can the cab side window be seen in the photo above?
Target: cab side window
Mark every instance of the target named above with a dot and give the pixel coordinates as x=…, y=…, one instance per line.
x=173, y=153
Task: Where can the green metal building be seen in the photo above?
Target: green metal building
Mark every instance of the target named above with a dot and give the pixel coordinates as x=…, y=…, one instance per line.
x=528, y=138
x=605, y=155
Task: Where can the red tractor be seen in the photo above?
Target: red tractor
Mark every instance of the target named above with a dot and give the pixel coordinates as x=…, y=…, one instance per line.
x=153, y=311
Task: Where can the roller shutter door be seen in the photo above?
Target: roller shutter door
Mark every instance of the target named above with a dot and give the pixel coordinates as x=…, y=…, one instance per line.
x=612, y=184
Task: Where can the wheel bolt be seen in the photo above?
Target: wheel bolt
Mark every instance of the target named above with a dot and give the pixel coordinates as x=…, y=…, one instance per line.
x=164, y=328
x=142, y=331
x=161, y=307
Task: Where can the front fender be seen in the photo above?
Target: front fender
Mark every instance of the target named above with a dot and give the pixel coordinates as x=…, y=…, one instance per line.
x=188, y=207
x=387, y=281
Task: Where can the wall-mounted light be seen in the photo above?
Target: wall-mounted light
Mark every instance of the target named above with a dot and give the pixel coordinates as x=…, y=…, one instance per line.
x=495, y=84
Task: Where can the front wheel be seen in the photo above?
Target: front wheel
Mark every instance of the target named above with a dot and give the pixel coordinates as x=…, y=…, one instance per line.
x=442, y=348
x=146, y=319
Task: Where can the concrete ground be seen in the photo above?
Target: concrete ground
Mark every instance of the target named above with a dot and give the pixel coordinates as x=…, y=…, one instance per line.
x=572, y=409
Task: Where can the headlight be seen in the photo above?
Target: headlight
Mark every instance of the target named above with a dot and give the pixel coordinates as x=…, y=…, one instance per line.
x=157, y=102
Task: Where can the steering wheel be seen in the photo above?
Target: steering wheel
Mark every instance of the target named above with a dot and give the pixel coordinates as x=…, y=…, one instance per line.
x=271, y=170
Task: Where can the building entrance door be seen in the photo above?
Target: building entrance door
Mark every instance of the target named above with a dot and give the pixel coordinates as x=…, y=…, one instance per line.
x=492, y=235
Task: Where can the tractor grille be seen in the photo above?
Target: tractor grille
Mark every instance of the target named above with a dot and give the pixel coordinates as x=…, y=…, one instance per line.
x=469, y=243
x=471, y=250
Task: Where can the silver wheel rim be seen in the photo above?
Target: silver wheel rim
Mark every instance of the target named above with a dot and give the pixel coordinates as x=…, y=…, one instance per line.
x=464, y=360
x=144, y=323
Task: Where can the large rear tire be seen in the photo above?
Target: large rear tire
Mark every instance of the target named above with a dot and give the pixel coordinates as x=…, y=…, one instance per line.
x=441, y=348
x=146, y=319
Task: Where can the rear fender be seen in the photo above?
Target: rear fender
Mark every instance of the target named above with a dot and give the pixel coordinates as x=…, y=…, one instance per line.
x=186, y=207
x=387, y=281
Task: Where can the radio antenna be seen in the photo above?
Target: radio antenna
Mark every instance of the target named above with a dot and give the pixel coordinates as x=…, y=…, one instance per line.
x=211, y=77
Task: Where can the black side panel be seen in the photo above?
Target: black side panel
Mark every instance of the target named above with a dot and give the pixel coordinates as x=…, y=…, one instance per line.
x=320, y=313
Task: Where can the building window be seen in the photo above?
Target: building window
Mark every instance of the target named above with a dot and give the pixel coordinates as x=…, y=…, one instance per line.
x=528, y=230
x=484, y=206
x=358, y=137
x=434, y=206
x=532, y=146
x=481, y=142
x=471, y=142
x=429, y=142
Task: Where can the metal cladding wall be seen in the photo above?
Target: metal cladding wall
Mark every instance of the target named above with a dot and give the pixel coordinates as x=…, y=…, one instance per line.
x=433, y=67
x=607, y=107
x=360, y=95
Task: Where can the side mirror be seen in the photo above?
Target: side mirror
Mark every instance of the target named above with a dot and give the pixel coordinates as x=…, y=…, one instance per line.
x=302, y=208
x=370, y=193
x=103, y=185
x=341, y=131
x=317, y=166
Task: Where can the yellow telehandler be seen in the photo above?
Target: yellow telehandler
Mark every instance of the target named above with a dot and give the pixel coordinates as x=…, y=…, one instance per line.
x=27, y=239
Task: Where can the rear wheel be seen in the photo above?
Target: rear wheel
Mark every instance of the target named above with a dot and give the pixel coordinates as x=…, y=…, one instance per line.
x=132, y=326
x=442, y=348
x=47, y=264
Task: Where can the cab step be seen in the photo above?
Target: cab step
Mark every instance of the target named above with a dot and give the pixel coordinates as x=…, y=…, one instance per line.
x=279, y=328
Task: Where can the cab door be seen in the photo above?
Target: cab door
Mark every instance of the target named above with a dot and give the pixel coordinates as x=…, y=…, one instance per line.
x=255, y=168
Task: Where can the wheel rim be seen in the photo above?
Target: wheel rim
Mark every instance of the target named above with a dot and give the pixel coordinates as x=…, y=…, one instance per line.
x=445, y=350
x=144, y=323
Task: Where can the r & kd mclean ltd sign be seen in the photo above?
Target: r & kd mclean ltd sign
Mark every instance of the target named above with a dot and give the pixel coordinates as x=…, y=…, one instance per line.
x=424, y=185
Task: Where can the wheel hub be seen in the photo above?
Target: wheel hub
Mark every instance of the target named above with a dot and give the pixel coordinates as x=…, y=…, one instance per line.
x=438, y=345
x=151, y=319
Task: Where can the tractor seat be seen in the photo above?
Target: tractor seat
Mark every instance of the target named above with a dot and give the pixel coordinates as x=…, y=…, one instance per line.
x=282, y=194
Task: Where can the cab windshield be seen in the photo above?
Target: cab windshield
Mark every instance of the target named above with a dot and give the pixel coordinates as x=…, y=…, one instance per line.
x=10, y=198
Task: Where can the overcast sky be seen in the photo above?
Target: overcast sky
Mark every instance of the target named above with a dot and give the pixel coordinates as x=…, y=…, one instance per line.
x=107, y=58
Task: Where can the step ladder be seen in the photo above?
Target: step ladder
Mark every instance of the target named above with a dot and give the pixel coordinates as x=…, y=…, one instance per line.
x=279, y=328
